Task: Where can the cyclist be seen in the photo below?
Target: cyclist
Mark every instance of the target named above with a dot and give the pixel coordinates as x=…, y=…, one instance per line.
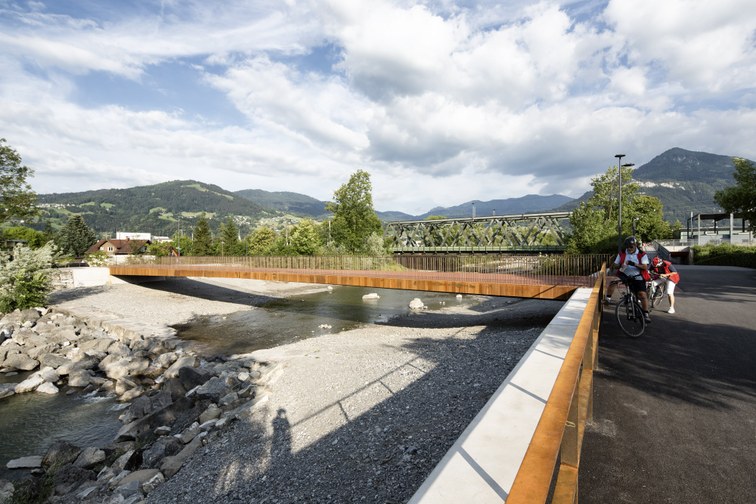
x=633, y=264
x=665, y=273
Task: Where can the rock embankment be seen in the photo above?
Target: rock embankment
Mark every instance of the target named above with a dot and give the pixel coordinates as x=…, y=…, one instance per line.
x=173, y=402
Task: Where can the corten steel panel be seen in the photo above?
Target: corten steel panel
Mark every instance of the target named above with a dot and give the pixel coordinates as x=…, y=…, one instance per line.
x=505, y=286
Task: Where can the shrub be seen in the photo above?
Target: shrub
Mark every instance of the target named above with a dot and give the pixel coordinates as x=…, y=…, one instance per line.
x=725, y=255
x=25, y=277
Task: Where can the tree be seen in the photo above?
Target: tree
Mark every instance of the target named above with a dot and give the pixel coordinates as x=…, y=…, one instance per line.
x=305, y=239
x=353, y=216
x=594, y=222
x=25, y=277
x=741, y=198
x=32, y=237
x=202, y=244
x=16, y=197
x=75, y=237
x=229, y=238
x=262, y=241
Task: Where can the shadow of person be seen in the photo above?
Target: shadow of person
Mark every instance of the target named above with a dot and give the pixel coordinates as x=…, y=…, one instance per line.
x=280, y=446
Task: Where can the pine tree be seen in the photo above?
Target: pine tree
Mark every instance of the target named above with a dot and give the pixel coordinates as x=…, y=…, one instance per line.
x=202, y=244
x=75, y=237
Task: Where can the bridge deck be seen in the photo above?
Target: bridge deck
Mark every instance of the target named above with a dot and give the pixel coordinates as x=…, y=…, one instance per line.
x=488, y=284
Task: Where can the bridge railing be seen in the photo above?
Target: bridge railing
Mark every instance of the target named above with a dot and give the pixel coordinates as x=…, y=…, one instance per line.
x=576, y=270
x=549, y=470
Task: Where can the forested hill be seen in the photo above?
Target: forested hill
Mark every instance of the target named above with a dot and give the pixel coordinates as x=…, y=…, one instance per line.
x=158, y=209
x=283, y=201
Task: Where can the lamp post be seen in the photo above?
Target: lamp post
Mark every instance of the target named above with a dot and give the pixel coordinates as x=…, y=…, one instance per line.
x=619, y=217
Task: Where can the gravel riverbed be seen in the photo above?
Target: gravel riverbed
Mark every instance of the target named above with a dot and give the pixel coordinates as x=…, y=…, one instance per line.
x=359, y=416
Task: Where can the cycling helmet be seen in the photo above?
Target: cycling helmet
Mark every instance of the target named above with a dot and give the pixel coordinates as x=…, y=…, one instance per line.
x=630, y=240
x=657, y=261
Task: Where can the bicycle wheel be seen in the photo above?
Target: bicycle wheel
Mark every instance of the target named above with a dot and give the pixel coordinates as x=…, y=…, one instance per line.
x=630, y=317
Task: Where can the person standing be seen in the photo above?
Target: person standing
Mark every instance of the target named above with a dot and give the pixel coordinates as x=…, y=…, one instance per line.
x=632, y=263
x=664, y=272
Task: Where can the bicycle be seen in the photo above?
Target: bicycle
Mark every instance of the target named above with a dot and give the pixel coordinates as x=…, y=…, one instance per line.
x=629, y=312
x=655, y=294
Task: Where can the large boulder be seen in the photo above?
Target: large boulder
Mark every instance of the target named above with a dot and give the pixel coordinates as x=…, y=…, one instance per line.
x=60, y=453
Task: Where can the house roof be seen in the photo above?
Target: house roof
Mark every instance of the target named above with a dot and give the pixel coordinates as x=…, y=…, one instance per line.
x=126, y=246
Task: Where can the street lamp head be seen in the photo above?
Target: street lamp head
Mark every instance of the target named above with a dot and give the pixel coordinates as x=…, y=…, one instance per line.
x=619, y=156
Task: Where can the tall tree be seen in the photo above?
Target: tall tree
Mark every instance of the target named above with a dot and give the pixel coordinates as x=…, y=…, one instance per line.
x=594, y=223
x=229, y=238
x=75, y=237
x=354, y=219
x=305, y=239
x=262, y=241
x=16, y=197
x=741, y=198
x=202, y=244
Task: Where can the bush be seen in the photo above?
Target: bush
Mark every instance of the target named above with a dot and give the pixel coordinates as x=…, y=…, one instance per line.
x=25, y=277
x=725, y=255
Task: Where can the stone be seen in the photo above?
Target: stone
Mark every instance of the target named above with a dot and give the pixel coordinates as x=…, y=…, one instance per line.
x=53, y=360
x=7, y=390
x=163, y=447
x=80, y=378
x=70, y=477
x=48, y=388
x=213, y=389
x=139, y=477
x=190, y=361
x=6, y=490
x=212, y=412
x=190, y=377
x=90, y=457
x=20, y=362
x=30, y=462
x=416, y=304
x=31, y=383
x=60, y=453
x=371, y=296
x=171, y=465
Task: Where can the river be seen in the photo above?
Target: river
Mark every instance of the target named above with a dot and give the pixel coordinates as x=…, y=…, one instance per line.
x=30, y=423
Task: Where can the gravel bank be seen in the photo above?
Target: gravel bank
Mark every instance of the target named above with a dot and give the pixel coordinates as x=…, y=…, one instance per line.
x=359, y=416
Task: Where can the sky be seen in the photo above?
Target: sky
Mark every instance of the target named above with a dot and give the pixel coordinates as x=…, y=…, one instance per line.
x=440, y=101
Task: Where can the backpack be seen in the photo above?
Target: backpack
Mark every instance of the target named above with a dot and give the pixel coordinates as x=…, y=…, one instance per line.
x=644, y=273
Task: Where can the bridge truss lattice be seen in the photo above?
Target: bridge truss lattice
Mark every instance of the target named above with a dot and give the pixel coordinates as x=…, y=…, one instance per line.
x=543, y=232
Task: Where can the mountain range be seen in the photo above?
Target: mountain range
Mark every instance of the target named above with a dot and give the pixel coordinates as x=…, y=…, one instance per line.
x=685, y=181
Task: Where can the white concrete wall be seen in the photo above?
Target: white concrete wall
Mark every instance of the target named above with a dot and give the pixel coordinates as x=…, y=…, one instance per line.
x=481, y=465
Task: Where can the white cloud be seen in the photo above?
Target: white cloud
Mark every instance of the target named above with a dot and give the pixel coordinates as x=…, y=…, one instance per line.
x=441, y=101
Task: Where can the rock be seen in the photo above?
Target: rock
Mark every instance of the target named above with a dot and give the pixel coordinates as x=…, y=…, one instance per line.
x=371, y=296
x=53, y=360
x=140, y=477
x=90, y=457
x=30, y=462
x=60, y=453
x=7, y=390
x=187, y=361
x=80, y=378
x=210, y=413
x=6, y=490
x=70, y=477
x=213, y=389
x=48, y=388
x=191, y=377
x=171, y=465
x=31, y=383
x=163, y=447
x=20, y=362
x=416, y=304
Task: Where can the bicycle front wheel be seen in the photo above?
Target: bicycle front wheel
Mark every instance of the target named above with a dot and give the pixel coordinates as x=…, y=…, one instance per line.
x=630, y=317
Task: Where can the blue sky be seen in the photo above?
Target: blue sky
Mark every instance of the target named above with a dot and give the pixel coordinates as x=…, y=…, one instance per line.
x=441, y=101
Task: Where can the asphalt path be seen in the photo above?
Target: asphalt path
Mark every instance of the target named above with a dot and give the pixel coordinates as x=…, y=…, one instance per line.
x=674, y=417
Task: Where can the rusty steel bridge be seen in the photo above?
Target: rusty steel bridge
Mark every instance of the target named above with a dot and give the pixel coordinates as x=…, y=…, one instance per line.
x=537, y=232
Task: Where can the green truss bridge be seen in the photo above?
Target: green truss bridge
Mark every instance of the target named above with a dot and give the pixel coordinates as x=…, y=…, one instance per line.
x=538, y=232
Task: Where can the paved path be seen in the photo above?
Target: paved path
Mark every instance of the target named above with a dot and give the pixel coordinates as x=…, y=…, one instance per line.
x=675, y=410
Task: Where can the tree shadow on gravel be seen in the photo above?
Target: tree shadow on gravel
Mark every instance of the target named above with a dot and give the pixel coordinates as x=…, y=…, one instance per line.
x=382, y=454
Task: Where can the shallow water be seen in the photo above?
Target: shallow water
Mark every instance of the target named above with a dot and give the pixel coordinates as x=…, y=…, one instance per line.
x=31, y=422
x=284, y=321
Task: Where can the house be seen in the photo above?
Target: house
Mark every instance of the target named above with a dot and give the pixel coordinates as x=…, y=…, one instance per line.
x=119, y=247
